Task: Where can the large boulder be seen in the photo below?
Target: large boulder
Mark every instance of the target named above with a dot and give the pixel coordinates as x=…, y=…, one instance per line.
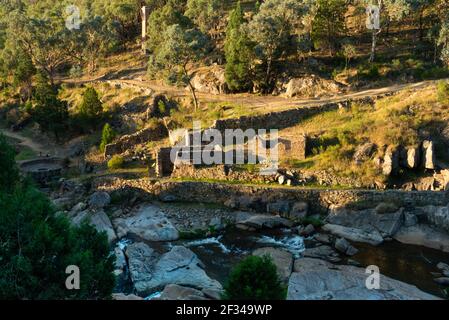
x=176, y=292
x=311, y=86
x=149, y=223
x=343, y=245
x=423, y=235
x=385, y=219
x=364, y=152
x=283, y=260
x=428, y=155
x=210, y=80
x=178, y=266
x=98, y=219
x=99, y=200
x=315, y=279
x=321, y=252
x=299, y=210
x=390, y=164
x=260, y=221
x=357, y=235
x=409, y=157
x=437, y=216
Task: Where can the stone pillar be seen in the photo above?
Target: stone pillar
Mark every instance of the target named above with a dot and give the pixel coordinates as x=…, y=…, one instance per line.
x=145, y=13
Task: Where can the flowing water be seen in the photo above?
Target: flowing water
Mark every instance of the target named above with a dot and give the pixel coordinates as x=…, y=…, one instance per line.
x=407, y=263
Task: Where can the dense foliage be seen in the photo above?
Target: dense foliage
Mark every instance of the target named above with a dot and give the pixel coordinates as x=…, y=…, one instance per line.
x=37, y=245
x=255, y=278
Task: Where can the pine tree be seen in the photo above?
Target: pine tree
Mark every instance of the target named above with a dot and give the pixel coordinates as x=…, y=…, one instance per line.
x=91, y=108
x=238, y=52
x=48, y=111
x=107, y=136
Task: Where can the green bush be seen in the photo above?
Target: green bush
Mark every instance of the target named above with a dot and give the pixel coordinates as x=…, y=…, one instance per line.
x=91, y=109
x=9, y=174
x=107, y=136
x=37, y=245
x=116, y=162
x=255, y=278
x=443, y=91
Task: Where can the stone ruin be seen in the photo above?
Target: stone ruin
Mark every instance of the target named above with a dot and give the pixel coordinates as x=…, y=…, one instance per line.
x=288, y=146
x=42, y=170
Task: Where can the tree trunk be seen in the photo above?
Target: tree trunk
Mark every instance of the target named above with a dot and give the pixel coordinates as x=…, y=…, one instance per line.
x=192, y=91
x=373, y=46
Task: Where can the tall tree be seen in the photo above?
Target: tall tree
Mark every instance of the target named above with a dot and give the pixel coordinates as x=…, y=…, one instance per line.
x=238, y=52
x=175, y=57
x=9, y=174
x=205, y=14
x=48, y=110
x=275, y=29
x=329, y=23
x=389, y=10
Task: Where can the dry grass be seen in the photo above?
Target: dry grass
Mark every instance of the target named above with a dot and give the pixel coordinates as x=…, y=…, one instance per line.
x=395, y=120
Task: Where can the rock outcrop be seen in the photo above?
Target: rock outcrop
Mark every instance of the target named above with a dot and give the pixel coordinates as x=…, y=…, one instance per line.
x=311, y=86
x=147, y=222
x=428, y=155
x=357, y=235
x=423, y=235
x=99, y=219
x=151, y=272
x=314, y=279
x=210, y=80
x=283, y=260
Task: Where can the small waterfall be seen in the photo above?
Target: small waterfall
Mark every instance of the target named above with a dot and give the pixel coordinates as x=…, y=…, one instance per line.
x=209, y=241
x=292, y=243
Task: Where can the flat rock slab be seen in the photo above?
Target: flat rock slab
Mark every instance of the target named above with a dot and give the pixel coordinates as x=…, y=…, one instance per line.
x=357, y=235
x=260, y=221
x=387, y=224
x=150, y=272
x=320, y=252
x=99, y=220
x=149, y=223
x=316, y=279
x=423, y=235
x=176, y=292
x=283, y=260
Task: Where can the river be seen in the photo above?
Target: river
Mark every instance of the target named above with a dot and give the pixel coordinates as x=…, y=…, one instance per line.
x=407, y=263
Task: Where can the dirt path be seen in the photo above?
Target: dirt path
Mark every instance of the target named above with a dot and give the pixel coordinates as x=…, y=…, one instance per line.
x=37, y=147
x=258, y=103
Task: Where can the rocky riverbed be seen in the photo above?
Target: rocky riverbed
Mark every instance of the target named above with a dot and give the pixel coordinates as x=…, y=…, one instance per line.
x=171, y=250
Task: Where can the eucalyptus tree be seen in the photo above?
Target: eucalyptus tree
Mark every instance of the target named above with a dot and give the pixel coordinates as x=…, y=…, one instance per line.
x=388, y=10
x=275, y=29
x=175, y=57
x=206, y=14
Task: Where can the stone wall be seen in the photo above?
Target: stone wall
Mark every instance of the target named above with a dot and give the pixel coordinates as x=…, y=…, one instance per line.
x=219, y=172
x=256, y=198
x=284, y=119
x=128, y=141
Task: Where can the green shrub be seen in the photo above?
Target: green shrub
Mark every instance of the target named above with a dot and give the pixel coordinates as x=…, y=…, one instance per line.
x=91, y=108
x=116, y=162
x=9, y=174
x=314, y=221
x=255, y=278
x=38, y=245
x=107, y=136
x=443, y=91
